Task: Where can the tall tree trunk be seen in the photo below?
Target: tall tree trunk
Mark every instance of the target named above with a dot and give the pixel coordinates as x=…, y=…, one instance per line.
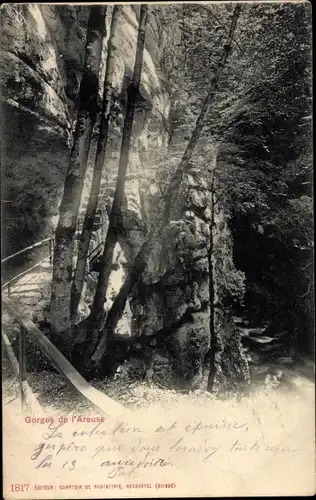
x=155, y=234
x=69, y=208
x=213, y=344
x=87, y=228
x=97, y=312
x=177, y=178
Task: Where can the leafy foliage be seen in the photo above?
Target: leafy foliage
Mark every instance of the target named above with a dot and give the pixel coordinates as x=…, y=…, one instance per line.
x=261, y=125
x=266, y=165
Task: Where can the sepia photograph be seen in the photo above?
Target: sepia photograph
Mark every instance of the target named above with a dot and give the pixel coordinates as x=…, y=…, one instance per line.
x=157, y=254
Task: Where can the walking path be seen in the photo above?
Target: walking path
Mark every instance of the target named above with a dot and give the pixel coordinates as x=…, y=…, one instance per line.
x=30, y=288
x=53, y=391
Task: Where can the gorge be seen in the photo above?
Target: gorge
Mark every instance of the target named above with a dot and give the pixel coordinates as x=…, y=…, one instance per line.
x=236, y=251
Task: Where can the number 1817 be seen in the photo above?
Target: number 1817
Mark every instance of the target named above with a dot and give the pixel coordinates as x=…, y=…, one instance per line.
x=19, y=487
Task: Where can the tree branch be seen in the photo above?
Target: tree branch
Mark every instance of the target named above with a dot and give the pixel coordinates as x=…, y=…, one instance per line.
x=221, y=24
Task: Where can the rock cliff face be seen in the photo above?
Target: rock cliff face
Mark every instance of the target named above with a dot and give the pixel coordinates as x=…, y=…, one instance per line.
x=41, y=64
x=172, y=301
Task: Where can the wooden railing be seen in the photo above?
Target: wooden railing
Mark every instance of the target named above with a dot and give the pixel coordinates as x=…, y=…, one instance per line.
x=95, y=397
x=46, y=241
x=95, y=252
x=26, y=393
x=27, y=327
x=36, y=245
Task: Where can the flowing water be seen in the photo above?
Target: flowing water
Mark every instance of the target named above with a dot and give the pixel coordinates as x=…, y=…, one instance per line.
x=270, y=359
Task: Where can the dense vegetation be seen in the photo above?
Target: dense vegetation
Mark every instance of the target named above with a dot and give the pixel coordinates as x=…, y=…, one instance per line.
x=262, y=124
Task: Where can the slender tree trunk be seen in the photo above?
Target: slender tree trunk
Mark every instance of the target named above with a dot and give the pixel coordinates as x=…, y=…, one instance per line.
x=87, y=229
x=141, y=259
x=69, y=208
x=213, y=345
x=118, y=305
x=177, y=178
x=97, y=312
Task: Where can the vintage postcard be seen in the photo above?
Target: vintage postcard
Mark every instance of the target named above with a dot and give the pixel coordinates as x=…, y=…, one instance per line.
x=157, y=250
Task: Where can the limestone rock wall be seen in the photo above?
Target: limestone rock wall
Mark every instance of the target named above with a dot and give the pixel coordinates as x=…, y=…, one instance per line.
x=172, y=301
x=42, y=56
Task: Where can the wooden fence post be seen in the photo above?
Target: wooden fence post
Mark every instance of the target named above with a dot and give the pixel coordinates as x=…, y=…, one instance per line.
x=22, y=366
x=51, y=252
x=9, y=290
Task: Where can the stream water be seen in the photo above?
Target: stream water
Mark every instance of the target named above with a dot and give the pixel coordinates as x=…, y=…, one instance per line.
x=270, y=358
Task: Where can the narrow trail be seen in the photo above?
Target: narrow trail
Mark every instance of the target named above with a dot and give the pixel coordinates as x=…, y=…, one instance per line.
x=28, y=289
